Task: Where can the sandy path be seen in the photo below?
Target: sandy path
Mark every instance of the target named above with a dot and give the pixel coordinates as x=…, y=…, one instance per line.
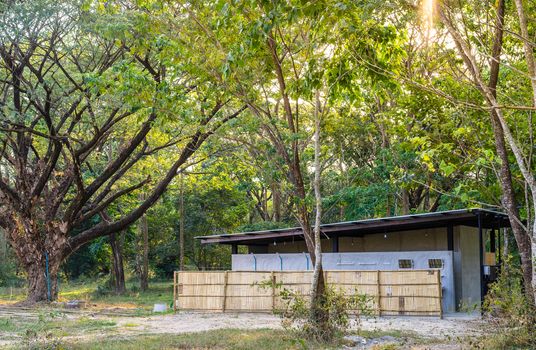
x=184, y=322
x=429, y=327
x=426, y=327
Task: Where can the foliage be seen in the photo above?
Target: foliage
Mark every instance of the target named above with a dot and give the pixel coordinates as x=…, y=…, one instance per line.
x=342, y=311
x=403, y=130
x=509, y=312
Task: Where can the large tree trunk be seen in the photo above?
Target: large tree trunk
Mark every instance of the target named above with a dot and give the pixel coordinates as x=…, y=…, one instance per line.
x=32, y=248
x=42, y=282
x=118, y=271
x=39, y=284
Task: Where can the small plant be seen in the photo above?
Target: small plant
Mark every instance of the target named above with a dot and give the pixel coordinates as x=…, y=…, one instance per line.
x=39, y=335
x=509, y=312
x=338, y=307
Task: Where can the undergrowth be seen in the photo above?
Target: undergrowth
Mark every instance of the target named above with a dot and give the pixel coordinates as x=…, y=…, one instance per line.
x=509, y=312
x=339, y=311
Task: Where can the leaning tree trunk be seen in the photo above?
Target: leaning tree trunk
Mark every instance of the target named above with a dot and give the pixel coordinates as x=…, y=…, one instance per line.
x=529, y=178
x=505, y=176
x=118, y=271
x=527, y=173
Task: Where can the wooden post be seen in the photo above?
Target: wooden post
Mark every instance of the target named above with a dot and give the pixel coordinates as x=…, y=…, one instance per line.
x=224, y=299
x=273, y=291
x=379, y=290
x=440, y=293
x=174, y=290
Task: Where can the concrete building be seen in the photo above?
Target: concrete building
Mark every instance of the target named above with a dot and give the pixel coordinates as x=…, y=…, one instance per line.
x=461, y=243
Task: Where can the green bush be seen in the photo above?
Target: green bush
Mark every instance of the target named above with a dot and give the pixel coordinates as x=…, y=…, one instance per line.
x=509, y=312
x=336, y=307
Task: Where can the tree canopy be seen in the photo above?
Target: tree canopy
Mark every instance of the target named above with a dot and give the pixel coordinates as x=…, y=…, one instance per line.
x=422, y=106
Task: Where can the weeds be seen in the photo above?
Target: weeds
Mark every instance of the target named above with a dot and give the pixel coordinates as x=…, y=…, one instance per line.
x=337, y=307
x=509, y=312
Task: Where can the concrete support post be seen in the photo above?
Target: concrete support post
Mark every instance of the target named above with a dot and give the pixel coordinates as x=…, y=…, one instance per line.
x=335, y=244
x=450, y=238
x=481, y=254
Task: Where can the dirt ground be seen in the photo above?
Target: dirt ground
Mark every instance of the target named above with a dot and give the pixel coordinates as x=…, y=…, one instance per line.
x=442, y=332
x=426, y=327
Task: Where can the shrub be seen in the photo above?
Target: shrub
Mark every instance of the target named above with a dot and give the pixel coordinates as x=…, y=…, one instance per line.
x=509, y=312
x=337, y=308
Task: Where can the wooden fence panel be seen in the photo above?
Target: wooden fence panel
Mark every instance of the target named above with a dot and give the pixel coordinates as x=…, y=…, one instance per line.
x=401, y=292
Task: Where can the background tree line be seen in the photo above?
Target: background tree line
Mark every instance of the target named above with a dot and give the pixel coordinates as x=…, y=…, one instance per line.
x=155, y=119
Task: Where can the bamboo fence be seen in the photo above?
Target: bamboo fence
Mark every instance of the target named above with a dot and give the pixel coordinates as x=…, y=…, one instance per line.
x=400, y=292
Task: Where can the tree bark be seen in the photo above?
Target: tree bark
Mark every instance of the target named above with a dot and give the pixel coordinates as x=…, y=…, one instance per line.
x=276, y=201
x=35, y=266
x=505, y=175
x=144, y=237
x=405, y=202
x=470, y=62
x=38, y=283
x=32, y=249
x=531, y=182
x=118, y=271
x=318, y=313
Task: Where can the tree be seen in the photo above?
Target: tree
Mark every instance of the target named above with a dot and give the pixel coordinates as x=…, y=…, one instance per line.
x=72, y=85
x=275, y=56
x=526, y=240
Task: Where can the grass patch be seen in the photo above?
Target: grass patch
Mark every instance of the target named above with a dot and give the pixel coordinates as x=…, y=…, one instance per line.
x=158, y=292
x=130, y=325
x=369, y=334
x=519, y=338
x=7, y=325
x=10, y=295
x=53, y=324
x=87, y=324
x=218, y=339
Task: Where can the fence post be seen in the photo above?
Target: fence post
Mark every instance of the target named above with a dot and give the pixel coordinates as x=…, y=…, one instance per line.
x=224, y=300
x=174, y=290
x=379, y=291
x=273, y=291
x=440, y=294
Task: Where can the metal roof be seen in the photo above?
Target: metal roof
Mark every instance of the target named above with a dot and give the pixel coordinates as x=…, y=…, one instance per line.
x=468, y=217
